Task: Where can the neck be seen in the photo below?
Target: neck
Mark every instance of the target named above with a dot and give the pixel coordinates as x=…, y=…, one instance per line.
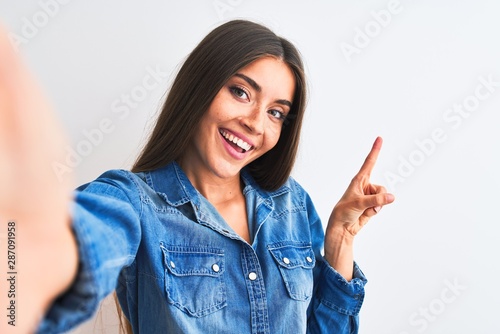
x=215, y=189
x=218, y=191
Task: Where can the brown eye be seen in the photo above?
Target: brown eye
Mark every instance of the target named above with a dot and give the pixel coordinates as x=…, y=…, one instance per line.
x=277, y=114
x=239, y=93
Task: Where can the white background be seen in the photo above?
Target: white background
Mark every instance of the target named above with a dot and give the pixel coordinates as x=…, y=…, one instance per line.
x=442, y=229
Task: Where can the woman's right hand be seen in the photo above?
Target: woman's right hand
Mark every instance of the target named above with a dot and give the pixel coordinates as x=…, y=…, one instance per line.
x=32, y=199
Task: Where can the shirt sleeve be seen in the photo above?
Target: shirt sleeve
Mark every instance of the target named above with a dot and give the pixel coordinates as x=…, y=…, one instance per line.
x=106, y=225
x=336, y=303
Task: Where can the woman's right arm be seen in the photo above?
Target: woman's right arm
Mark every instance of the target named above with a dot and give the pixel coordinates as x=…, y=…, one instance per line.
x=34, y=203
x=69, y=250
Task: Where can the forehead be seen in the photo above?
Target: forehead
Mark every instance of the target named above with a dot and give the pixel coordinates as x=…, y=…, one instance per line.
x=273, y=75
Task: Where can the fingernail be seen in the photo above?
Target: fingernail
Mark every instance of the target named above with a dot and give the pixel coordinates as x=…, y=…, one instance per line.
x=389, y=197
x=377, y=208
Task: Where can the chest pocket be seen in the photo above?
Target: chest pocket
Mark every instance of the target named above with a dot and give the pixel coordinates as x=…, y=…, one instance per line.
x=194, y=279
x=295, y=261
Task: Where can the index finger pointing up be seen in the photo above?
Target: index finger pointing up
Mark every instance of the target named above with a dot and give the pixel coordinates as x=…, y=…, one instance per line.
x=371, y=159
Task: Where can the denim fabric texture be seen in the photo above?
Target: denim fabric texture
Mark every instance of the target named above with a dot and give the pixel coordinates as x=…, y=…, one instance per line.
x=177, y=266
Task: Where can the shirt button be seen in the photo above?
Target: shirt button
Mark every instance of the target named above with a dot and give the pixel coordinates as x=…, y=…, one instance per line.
x=252, y=276
x=172, y=264
x=308, y=259
x=215, y=267
x=286, y=260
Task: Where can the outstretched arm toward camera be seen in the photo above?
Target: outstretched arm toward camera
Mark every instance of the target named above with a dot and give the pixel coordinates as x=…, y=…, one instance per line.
x=31, y=198
x=361, y=201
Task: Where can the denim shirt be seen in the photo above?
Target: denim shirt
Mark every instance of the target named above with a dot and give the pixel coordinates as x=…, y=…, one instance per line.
x=178, y=267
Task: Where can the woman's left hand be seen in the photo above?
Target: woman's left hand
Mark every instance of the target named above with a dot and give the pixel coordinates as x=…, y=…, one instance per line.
x=361, y=201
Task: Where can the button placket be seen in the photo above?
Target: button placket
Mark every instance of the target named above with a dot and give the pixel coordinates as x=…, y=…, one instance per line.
x=256, y=291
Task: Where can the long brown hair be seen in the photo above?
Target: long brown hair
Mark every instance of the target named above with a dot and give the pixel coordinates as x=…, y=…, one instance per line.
x=223, y=52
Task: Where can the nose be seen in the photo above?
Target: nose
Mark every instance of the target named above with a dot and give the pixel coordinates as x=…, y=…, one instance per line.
x=254, y=121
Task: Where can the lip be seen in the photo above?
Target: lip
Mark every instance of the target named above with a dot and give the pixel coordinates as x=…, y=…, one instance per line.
x=232, y=152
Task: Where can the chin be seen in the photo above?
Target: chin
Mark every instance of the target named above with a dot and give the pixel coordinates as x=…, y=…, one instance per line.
x=228, y=169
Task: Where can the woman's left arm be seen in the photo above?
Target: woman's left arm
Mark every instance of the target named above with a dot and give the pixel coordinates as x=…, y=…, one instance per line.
x=339, y=283
x=361, y=201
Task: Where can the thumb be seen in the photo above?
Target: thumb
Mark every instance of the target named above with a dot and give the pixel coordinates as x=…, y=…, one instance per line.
x=372, y=204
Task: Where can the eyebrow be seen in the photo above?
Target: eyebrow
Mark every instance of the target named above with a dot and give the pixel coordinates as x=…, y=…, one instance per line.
x=258, y=88
x=285, y=102
x=250, y=81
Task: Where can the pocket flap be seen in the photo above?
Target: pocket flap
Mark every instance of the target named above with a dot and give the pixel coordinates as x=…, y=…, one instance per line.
x=187, y=261
x=293, y=255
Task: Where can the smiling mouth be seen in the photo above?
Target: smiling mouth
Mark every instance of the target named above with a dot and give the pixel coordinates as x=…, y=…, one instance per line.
x=237, y=143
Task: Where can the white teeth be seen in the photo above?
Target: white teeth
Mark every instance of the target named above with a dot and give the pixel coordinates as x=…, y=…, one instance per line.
x=238, y=141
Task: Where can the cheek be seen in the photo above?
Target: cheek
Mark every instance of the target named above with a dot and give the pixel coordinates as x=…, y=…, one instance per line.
x=221, y=108
x=273, y=135
x=220, y=113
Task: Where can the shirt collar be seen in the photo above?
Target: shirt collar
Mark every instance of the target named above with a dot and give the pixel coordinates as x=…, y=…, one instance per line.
x=174, y=186
x=264, y=195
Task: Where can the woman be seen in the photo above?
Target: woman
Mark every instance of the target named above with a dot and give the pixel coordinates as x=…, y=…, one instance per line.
x=208, y=233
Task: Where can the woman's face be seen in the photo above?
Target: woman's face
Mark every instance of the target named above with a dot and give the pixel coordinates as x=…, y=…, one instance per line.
x=244, y=120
